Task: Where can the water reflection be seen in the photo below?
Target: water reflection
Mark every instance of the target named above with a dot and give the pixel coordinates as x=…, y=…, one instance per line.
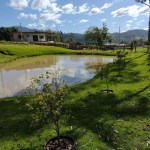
x=16, y=75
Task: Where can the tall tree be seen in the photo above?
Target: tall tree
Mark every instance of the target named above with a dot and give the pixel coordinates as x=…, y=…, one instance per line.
x=55, y=35
x=71, y=38
x=110, y=41
x=48, y=30
x=61, y=36
x=96, y=35
x=6, y=31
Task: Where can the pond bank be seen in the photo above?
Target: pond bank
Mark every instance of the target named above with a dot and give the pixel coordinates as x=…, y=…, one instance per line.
x=21, y=51
x=118, y=120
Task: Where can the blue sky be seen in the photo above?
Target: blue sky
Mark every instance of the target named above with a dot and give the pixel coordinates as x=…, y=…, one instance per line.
x=74, y=15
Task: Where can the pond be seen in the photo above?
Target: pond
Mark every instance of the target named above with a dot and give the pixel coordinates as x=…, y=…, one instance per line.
x=15, y=76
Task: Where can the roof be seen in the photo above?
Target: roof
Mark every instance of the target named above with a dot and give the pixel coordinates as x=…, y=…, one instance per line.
x=114, y=44
x=34, y=32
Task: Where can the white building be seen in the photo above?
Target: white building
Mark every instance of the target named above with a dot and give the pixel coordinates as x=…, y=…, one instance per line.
x=31, y=36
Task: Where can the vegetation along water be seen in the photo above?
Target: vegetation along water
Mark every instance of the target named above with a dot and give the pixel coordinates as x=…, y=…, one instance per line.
x=95, y=120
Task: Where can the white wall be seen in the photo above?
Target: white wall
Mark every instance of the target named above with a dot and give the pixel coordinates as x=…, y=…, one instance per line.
x=41, y=40
x=28, y=37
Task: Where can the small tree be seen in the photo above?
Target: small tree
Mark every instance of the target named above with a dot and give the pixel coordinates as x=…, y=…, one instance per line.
x=120, y=55
x=135, y=45
x=104, y=73
x=96, y=35
x=124, y=57
x=132, y=45
x=50, y=93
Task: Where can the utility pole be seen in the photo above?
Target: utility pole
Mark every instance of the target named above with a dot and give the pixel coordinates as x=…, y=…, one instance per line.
x=119, y=37
x=21, y=31
x=143, y=2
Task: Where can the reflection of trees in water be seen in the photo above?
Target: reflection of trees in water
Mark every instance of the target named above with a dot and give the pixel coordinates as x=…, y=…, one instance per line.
x=46, y=61
x=32, y=63
x=81, y=68
x=94, y=68
x=94, y=64
x=91, y=59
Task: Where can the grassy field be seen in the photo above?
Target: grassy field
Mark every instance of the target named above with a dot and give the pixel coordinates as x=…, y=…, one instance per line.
x=118, y=120
x=20, y=51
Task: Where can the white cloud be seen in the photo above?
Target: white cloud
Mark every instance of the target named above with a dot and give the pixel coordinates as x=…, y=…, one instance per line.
x=83, y=21
x=129, y=21
x=53, y=26
x=106, y=5
x=57, y=21
x=18, y=4
x=139, y=22
x=42, y=25
x=132, y=11
x=32, y=25
x=41, y=4
x=123, y=31
x=114, y=22
x=67, y=9
x=145, y=28
x=128, y=25
x=82, y=9
x=53, y=8
x=23, y=15
x=49, y=16
x=95, y=11
x=103, y=19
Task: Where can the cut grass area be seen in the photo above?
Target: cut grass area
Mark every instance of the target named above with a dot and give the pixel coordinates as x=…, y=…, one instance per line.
x=96, y=121
x=21, y=51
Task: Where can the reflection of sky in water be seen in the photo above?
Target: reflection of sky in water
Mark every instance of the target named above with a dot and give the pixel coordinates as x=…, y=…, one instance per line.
x=15, y=79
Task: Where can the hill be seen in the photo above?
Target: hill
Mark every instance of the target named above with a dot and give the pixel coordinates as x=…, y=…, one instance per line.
x=124, y=36
x=77, y=37
x=25, y=29
x=130, y=35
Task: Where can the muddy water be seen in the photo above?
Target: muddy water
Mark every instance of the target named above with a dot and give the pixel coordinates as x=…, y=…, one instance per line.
x=15, y=76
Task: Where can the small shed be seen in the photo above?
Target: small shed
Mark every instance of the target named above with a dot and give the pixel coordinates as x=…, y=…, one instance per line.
x=75, y=45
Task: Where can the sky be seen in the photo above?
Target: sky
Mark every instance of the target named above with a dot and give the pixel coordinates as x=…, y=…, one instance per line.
x=74, y=15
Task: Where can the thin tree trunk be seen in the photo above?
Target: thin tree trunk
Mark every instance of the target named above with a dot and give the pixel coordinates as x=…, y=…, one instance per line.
x=107, y=83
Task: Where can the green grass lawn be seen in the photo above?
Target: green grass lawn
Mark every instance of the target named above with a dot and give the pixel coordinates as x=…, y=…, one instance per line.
x=96, y=121
x=19, y=51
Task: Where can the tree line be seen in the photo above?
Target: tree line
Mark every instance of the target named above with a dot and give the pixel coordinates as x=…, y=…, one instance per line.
x=6, y=31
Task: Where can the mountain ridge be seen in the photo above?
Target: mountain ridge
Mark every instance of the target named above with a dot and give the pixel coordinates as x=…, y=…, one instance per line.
x=127, y=36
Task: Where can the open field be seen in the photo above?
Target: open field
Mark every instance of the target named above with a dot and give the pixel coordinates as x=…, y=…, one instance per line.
x=15, y=51
x=118, y=120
